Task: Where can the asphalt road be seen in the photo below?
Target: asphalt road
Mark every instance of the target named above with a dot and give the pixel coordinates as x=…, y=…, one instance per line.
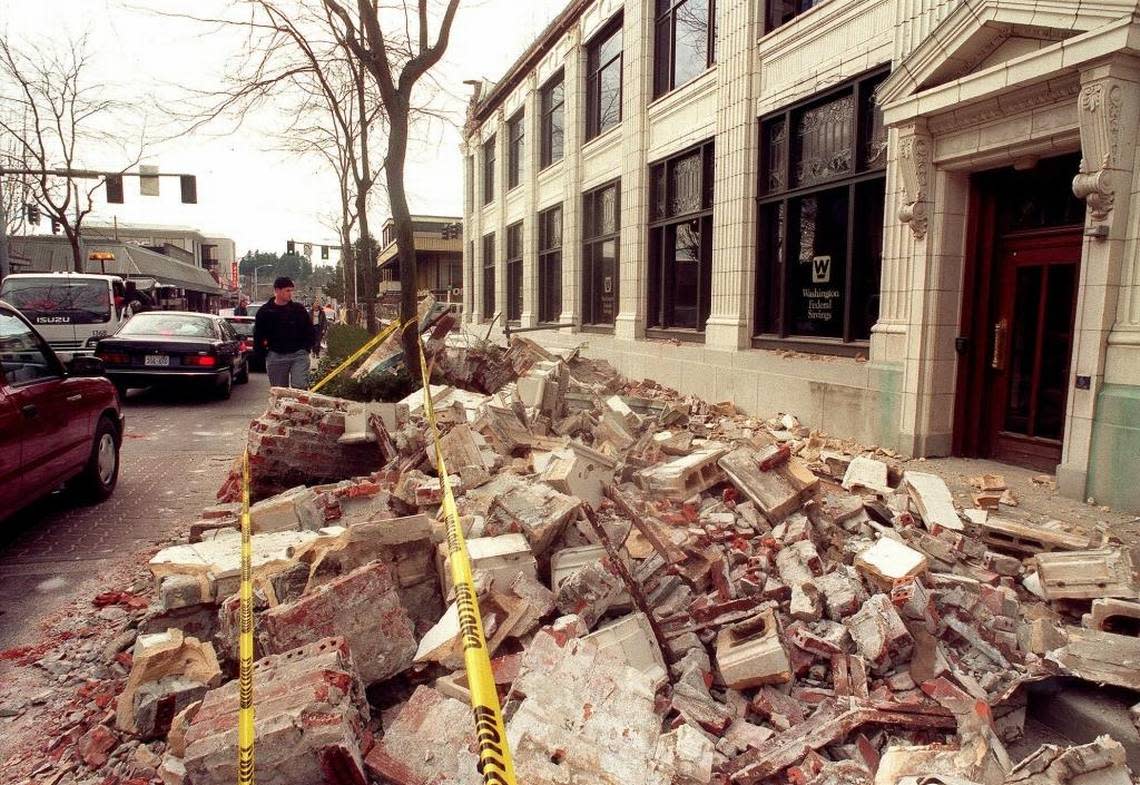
x=175, y=454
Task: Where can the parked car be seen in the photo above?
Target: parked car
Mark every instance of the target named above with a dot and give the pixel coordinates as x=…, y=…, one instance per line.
x=59, y=423
x=243, y=326
x=174, y=347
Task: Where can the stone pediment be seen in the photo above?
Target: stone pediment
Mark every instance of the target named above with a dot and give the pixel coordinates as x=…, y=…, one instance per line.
x=980, y=35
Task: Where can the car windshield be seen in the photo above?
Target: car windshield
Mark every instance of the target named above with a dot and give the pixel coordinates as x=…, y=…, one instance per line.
x=59, y=300
x=158, y=323
x=242, y=327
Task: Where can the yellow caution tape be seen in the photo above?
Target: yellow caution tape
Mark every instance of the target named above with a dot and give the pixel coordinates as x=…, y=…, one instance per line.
x=245, y=639
x=495, y=762
x=372, y=344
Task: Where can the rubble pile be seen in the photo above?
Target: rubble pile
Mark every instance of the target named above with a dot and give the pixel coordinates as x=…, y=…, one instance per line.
x=673, y=593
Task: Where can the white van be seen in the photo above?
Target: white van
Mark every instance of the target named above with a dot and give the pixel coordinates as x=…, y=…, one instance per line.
x=71, y=310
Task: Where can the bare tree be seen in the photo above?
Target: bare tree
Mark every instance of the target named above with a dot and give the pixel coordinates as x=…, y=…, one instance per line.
x=54, y=120
x=397, y=61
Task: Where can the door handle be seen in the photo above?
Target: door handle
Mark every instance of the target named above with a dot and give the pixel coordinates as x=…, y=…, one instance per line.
x=74, y=398
x=997, y=361
x=30, y=410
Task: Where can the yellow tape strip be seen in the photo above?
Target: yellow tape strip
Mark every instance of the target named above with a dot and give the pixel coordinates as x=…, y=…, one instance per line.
x=245, y=639
x=372, y=344
x=495, y=762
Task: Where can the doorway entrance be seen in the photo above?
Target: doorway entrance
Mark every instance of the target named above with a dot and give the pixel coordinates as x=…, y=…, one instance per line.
x=1018, y=309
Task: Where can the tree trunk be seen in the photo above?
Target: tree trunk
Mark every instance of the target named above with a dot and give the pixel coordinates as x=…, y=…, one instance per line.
x=368, y=263
x=76, y=252
x=405, y=239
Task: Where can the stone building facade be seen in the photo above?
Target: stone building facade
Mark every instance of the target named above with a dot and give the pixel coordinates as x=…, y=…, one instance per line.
x=906, y=221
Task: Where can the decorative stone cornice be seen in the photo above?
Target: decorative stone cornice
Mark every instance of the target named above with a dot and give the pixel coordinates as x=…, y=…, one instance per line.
x=1099, y=109
x=969, y=116
x=914, y=162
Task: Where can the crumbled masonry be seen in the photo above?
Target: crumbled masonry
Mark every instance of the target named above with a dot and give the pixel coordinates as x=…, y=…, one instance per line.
x=813, y=613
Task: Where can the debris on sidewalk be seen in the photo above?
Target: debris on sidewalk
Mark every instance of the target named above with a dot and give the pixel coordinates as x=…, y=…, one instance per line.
x=673, y=592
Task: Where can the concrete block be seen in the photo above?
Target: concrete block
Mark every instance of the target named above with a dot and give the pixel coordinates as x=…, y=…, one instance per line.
x=690, y=753
x=502, y=558
x=169, y=671
x=1101, y=657
x=866, y=473
x=631, y=639
x=1111, y=615
x=311, y=718
x=363, y=607
x=682, y=477
x=537, y=510
x=1087, y=575
x=431, y=739
x=579, y=471
x=750, y=654
x=888, y=560
x=879, y=634
x=932, y=498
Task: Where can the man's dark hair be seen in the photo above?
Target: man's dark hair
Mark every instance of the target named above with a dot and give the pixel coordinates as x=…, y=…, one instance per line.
x=283, y=282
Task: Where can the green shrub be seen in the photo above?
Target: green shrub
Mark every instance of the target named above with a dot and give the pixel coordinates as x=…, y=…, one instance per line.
x=343, y=340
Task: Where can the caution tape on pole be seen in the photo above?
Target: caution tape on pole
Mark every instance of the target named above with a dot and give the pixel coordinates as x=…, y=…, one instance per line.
x=372, y=344
x=495, y=764
x=245, y=639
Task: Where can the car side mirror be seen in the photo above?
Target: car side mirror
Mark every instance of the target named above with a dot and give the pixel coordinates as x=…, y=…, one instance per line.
x=85, y=365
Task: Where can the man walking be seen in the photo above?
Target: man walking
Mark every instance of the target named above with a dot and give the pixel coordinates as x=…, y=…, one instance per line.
x=283, y=328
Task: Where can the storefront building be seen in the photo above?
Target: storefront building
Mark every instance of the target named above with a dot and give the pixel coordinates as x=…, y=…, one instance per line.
x=906, y=221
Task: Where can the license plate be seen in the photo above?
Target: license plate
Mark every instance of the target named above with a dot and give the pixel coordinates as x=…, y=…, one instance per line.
x=157, y=359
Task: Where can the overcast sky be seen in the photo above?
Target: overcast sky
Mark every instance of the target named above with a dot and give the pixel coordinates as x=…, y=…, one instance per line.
x=248, y=189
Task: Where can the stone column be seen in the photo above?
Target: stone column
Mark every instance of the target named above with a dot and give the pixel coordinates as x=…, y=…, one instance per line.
x=468, y=233
x=575, y=116
x=532, y=152
x=477, y=229
x=501, y=145
x=633, y=266
x=1109, y=111
x=734, y=211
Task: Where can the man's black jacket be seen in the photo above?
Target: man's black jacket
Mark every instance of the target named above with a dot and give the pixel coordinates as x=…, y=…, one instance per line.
x=283, y=328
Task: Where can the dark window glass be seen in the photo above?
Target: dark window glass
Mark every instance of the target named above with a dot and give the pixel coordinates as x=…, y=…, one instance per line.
x=515, y=150
x=488, y=275
x=514, y=271
x=684, y=42
x=551, y=100
x=821, y=216
x=603, y=80
x=680, y=275
x=22, y=353
x=783, y=11
x=489, y=170
x=550, y=264
x=600, y=210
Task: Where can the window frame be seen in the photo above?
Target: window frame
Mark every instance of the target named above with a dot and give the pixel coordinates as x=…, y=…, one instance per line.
x=546, y=110
x=862, y=177
x=514, y=253
x=594, y=71
x=664, y=226
x=550, y=303
x=489, y=160
x=802, y=7
x=516, y=135
x=665, y=64
x=592, y=240
x=488, y=275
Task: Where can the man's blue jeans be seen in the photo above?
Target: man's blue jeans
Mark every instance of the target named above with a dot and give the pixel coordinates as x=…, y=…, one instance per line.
x=289, y=369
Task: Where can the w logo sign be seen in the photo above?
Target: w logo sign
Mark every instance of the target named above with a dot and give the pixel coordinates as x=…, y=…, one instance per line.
x=821, y=269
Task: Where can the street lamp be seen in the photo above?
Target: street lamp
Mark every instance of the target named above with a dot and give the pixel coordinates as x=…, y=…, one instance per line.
x=255, y=270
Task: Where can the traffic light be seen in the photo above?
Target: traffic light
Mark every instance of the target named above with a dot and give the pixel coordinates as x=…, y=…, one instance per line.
x=55, y=226
x=33, y=214
x=290, y=247
x=189, y=185
x=324, y=252
x=114, y=189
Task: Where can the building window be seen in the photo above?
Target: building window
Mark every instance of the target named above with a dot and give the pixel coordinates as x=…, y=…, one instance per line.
x=488, y=275
x=601, y=225
x=515, y=150
x=550, y=102
x=680, y=239
x=783, y=11
x=550, y=264
x=489, y=170
x=514, y=271
x=822, y=189
x=684, y=42
x=603, y=80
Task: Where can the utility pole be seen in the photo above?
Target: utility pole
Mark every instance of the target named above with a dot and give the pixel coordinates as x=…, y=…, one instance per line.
x=5, y=262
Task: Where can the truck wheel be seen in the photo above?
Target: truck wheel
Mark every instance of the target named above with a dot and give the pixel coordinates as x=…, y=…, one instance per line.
x=101, y=473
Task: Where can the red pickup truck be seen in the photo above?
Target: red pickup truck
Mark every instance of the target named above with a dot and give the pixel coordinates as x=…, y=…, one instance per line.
x=58, y=423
